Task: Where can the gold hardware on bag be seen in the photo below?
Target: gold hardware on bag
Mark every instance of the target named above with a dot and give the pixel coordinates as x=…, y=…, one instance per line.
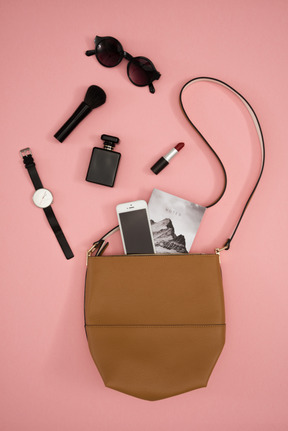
x=219, y=250
x=100, y=246
x=92, y=249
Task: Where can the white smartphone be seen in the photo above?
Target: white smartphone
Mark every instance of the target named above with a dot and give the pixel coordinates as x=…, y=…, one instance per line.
x=135, y=227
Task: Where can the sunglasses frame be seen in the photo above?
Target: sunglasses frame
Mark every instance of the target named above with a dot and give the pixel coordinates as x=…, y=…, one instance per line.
x=124, y=54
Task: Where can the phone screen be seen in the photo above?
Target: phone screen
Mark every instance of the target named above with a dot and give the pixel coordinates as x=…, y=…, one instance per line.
x=136, y=232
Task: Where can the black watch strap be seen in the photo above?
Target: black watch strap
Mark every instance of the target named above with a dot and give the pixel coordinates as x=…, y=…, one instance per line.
x=31, y=168
x=58, y=232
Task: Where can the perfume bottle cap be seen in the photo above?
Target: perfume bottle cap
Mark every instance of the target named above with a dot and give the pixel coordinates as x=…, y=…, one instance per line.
x=109, y=141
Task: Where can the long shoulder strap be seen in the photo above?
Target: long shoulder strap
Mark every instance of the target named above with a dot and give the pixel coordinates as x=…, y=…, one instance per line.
x=260, y=136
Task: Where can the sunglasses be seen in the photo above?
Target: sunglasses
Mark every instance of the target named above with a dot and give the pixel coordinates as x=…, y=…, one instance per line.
x=140, y=70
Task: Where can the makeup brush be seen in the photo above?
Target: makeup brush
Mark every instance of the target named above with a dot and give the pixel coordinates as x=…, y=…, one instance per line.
x=94, y=97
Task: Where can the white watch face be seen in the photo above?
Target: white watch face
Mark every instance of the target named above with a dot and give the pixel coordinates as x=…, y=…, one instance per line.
x=42, y=198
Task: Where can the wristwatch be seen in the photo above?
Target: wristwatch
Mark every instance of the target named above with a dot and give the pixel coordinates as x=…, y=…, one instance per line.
x=43, y=198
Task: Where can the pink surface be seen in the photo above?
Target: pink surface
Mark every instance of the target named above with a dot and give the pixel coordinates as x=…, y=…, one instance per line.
x=48, y=379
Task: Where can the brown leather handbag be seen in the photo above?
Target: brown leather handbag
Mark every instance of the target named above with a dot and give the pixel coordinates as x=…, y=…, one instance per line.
x=162, y=333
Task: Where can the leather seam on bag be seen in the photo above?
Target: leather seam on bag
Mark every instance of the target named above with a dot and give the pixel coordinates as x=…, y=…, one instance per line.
x=148, y=256
x=161, y=326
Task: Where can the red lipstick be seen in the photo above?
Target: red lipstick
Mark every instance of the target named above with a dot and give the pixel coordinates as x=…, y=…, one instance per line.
x=164, y=161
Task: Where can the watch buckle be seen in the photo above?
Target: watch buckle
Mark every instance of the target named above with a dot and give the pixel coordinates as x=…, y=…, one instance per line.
x=26, y=152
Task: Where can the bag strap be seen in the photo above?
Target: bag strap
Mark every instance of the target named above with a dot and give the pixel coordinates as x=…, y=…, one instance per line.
x=260, y=137
x=101, y=245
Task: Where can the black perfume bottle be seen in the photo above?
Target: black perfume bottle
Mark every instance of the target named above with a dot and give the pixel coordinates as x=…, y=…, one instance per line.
x=104, y=162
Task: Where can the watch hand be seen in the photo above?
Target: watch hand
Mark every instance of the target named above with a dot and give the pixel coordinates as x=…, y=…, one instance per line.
x=43, y=196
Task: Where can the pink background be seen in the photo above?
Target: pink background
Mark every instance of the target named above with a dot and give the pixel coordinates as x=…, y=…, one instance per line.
x=48, y=379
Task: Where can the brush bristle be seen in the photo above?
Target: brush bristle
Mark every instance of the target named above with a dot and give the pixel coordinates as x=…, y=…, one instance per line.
x=95, y=96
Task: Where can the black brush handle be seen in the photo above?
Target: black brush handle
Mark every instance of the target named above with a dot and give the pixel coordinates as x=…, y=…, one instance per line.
x=81, y=112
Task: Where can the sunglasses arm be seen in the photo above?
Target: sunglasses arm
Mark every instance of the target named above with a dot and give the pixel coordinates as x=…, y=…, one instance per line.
x=151, y=88
x=90, y=52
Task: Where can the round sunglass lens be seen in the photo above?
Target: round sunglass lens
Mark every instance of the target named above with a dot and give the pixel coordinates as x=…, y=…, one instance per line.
x=109, y=52
x=140, y=71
